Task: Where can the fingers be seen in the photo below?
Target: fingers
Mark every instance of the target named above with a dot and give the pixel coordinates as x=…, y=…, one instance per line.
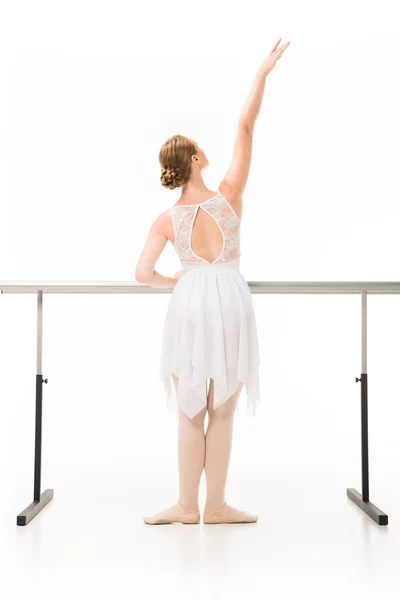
x=281, y=50
x=276, y=53
x=275, y=45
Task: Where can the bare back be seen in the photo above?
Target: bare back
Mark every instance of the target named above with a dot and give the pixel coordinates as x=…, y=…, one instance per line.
x=206, y=232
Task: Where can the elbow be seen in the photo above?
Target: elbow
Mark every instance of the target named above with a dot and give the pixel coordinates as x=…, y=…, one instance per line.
x=142, y=275
x=247, y=127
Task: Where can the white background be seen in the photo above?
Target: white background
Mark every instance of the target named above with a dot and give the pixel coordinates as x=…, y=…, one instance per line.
x=89, y=91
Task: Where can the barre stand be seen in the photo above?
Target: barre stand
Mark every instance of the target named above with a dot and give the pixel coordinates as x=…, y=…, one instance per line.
x=362, y=500
x=41, y=499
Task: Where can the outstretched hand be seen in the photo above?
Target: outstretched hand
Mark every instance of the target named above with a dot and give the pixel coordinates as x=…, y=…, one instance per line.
x=274, y=55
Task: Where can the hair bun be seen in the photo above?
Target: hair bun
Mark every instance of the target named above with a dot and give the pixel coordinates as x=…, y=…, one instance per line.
x=172, y=177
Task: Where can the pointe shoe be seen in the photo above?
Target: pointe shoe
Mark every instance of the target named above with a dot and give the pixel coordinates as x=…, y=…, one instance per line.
x=227, y=514
x=175, y=514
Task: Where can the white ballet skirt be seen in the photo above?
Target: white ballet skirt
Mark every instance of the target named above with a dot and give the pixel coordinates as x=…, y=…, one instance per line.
x=210, y=331
x=210, y=327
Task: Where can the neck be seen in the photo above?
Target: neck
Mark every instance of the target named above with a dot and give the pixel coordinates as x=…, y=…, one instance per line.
x=195, y=186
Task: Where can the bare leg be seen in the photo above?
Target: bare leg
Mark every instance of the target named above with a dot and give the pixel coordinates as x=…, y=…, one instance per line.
x=191, y=453
x=218, y=446
x=218, y=451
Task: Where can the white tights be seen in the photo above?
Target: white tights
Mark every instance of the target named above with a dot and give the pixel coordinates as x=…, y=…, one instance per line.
x=210, y=451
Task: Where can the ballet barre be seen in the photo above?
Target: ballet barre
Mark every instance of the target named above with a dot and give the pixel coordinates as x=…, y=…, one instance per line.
x=40, y=499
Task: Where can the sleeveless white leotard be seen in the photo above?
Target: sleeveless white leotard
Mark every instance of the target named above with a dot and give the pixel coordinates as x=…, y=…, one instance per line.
x=210, y=327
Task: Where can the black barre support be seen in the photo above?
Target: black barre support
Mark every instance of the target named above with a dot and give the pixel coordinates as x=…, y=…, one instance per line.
x=39, y=499
x=32, y=510
x=370, y=509
x=362, y=500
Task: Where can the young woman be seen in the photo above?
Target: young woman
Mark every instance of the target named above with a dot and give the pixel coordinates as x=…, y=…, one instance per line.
x=210, y=329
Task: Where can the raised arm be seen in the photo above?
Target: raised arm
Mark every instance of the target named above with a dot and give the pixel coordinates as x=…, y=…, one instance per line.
x=235, y=179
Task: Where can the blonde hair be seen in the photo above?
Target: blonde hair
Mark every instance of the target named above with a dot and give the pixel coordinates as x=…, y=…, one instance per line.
x=175, y=159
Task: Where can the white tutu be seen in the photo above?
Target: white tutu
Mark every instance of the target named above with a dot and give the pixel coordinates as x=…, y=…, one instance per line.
x=210, y=332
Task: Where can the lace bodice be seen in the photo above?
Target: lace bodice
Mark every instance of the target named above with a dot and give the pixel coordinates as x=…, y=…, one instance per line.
x=218, y=207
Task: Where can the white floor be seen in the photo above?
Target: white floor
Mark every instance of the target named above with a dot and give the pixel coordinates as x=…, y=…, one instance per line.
x=91, y=540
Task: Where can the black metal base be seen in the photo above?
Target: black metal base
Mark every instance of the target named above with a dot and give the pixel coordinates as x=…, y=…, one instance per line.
x=370, y=509
x=32, y=510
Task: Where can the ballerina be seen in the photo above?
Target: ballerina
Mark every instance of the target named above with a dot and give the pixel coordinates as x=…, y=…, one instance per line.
x=210, y=348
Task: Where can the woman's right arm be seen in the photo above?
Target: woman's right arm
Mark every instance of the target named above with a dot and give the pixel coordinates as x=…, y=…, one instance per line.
x=235, y=179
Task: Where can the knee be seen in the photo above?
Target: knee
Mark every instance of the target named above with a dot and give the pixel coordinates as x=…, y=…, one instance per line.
x=223, y=412
x=196, y=422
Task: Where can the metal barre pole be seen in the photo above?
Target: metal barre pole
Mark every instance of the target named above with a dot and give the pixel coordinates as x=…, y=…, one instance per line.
x=256, y=287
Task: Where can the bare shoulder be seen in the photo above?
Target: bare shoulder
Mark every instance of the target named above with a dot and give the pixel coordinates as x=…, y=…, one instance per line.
x=233, y=196
x=163, y=224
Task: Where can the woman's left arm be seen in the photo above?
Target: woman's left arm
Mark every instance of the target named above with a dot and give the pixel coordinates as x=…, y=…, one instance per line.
x=155, y=243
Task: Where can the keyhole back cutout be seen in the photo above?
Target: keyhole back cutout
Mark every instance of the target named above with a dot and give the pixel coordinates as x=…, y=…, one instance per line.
x=206, y=237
